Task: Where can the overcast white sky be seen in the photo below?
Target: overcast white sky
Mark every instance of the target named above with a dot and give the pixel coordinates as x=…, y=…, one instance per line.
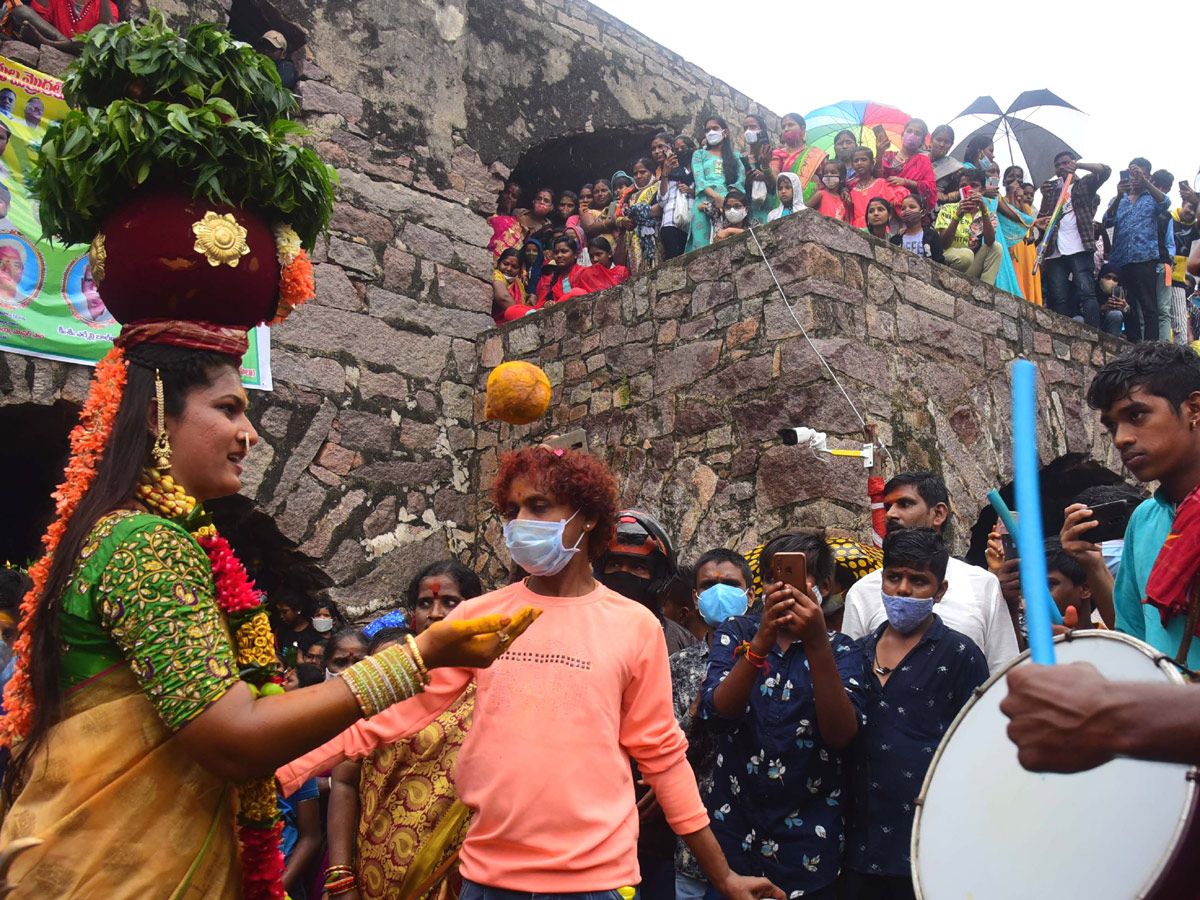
x=798, y=58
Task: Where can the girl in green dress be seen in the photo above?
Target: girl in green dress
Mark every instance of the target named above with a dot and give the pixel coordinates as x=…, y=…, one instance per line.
x=716, y=169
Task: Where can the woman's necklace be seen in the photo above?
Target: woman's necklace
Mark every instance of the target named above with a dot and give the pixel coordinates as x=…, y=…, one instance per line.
x=882, y=670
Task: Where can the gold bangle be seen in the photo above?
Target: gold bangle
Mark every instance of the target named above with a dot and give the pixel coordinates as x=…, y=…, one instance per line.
x=416, y=656
x=383, y=679
x=356, y=681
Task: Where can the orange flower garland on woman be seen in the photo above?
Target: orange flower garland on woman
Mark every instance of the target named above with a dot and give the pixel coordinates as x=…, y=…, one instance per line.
x=88, y=440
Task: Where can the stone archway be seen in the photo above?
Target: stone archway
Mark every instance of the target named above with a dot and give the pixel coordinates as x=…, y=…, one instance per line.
x=569, y=162
x=1060, y=481
x=270, y=558
x=32, y=461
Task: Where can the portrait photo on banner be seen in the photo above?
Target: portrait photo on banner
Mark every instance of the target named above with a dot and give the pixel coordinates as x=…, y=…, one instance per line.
x=81, y=295
x=50, y=299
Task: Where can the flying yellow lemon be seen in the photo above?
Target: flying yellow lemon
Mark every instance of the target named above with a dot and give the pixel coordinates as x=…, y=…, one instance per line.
x=517, y=393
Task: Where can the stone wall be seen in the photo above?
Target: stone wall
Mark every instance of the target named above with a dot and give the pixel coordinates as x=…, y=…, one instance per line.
x=372, y=455
x=682, y=379
x=422, y=108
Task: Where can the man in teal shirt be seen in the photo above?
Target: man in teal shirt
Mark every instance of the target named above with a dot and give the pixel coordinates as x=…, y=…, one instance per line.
x=1149, y=402
x=1144, y=537
x=1068, y=718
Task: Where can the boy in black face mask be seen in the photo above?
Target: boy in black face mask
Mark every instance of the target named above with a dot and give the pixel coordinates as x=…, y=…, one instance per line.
x=640, y=564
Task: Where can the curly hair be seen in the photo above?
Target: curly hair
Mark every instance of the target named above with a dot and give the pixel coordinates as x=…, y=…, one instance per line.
x=576, y=479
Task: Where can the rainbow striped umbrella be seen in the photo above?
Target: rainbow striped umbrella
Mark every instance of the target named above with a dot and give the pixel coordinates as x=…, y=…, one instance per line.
x=857, y=116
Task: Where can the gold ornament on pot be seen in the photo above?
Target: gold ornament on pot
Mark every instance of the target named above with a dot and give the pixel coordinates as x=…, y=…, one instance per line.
x=97, y=256
x=221, y=239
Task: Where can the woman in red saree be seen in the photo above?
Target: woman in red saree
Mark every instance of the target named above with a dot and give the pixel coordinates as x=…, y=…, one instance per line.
x=569, y=279
x=554, y=286
x=909, y=167
x=601, y=274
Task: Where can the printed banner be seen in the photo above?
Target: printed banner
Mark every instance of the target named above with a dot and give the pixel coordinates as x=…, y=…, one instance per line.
x=49, y=305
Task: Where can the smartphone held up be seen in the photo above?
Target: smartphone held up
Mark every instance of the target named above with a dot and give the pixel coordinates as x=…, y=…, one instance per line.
x=1113, y=518
x=792, y=569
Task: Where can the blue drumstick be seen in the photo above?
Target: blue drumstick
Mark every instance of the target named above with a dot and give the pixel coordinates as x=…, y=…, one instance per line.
x=1034, y=585
x=1010, y=523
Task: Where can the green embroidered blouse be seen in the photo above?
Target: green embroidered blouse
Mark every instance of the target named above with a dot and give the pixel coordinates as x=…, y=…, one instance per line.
x=142, y=593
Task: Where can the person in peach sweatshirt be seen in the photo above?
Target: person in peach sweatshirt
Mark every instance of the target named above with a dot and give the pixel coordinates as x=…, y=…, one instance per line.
x=545, y=766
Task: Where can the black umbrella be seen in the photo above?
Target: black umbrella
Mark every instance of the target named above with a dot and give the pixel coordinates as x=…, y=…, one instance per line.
x=1019, y=140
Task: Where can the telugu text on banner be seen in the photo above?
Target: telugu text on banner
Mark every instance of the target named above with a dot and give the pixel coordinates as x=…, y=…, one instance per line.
x=49, y=304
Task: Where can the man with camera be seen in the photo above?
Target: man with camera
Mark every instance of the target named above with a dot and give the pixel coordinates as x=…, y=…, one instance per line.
x=968, y=230
x=1134, y=214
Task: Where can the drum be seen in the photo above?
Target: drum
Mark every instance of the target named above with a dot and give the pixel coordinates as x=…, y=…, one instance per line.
x=987, y=829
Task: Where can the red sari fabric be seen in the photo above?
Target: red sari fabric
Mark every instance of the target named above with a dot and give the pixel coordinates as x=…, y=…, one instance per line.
x=916, y=168
x=550, y=288
x=61, y=14
x=516, y=290
x=506, y=233
x=581, y=280
x=590, y=279
x=1172, y=581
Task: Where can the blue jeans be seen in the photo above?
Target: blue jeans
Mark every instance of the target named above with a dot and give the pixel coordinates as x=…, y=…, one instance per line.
x=689, y=888
x=1069, y=284
x=473, y=891
x=1114, y=321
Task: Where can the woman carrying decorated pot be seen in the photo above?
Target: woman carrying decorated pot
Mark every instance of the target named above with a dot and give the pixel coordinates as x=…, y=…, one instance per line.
x=145, y=715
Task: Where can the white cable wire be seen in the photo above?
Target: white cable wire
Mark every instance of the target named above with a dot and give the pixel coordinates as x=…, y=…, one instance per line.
x=803, y=331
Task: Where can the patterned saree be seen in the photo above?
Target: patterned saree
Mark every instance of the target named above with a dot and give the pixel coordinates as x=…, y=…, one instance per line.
x=412, y=823
x=123, y=812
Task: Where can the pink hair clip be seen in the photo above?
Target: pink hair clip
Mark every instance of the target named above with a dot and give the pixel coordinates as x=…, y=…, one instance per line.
x=558, y=451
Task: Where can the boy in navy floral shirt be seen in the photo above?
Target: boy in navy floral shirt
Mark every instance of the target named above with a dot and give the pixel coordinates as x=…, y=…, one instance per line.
x=786, y=694
x=918, y=675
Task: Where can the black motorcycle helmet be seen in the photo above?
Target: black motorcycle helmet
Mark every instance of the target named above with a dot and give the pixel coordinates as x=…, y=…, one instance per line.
x=639, y=535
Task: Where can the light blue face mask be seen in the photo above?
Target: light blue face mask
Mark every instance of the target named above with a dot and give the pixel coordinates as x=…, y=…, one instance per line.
x=537, y=546
x=720, y=602
x=906, y=613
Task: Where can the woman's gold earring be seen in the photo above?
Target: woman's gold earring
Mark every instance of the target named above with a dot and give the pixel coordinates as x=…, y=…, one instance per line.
x=162, y=445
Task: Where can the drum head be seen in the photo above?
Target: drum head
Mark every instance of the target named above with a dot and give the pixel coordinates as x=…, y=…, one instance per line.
x=989, y=830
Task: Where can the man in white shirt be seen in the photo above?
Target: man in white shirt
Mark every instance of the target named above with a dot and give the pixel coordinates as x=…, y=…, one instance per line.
x=1067, y=274
x=972, y=603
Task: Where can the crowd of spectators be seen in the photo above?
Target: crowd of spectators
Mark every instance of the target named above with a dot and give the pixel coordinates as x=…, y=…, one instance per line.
x=812, y=677
x=1122, y=269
